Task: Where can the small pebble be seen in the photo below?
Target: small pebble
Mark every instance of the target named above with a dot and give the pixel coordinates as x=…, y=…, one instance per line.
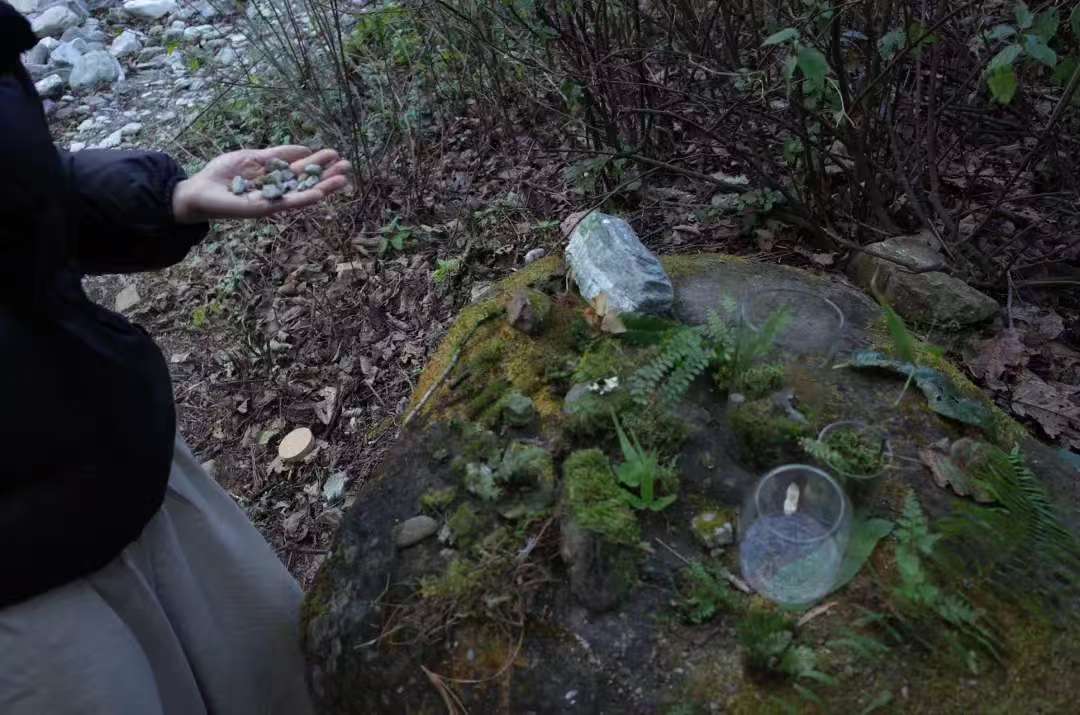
x=309, y=183
x=276, y=164
x=313, y=169
x=272, y=192
x=286, y=175
x=274, y=177
x=289, y=185
x=239, y=185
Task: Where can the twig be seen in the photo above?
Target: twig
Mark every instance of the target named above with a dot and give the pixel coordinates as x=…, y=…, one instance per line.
x=731, y=578
x=453, y=703
x=814, y=613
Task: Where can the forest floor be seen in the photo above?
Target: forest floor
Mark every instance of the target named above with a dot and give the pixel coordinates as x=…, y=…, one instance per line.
x=317, y=320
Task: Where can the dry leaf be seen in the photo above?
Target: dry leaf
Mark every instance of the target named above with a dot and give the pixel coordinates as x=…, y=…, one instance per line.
x=1043, y=324
x=949, y=470
x=995, y=355
x=324, y=410
x=1054, y=405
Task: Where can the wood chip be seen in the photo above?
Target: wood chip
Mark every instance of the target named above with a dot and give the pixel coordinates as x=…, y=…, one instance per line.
x=296, y=445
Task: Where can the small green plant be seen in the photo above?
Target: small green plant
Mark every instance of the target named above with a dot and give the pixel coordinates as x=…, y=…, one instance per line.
x=704, y=594
x=1029, y=42
x=394, y=236
x=445, y=270
x=924, y=599
x=769, y=649
x=848, y=451
x=641, y=470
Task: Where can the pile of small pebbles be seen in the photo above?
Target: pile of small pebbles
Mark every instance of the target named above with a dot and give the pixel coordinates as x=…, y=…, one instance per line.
x=279, y=180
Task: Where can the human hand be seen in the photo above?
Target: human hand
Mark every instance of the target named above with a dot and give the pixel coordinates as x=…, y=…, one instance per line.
x=207, y=194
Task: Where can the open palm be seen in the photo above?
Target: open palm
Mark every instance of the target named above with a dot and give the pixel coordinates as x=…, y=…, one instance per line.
x=207, y=194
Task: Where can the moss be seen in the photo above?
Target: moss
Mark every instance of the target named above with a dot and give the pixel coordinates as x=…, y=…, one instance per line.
x=855, y=453
x=526, y=464
x=474, y=444
x=516, y=410
x=532, y=318
x=714, y=527
x=604, y=358
x=691, y=265
x=464, y=524
x=761, y=380
x=595, y=500
x=436, y=501
x=459, y=582
x=484, y=407
x=767, y=438
x=656, y=428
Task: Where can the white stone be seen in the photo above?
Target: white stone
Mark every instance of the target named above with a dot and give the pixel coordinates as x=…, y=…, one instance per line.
x=127, y=299
x=67, y=54
x=112, y=141
x=126, y=43
x=76, y=146
x=54, y=21
x=26, y=7
x=38, y=54
x=93, y=69
x=86, y=125
x=150, y=9
x=130, y=129
x=51, y=87
x=226, y=57
x=534, y=255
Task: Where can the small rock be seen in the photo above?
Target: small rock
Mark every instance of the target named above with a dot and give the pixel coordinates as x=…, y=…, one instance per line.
x=481, y=291
x=127, y=299
x=67, y=54
x=210, y=467
x=276, y=164
x=51, y=87
x=272, y=192
x=150, y=9
x=76, y=146
x=130, y=129
x=54, y=21
x=528, y=310
x=413, y=531
x=38, y=54
x=227, y=57
x=173, y=34
x=296, y=445
x=313, y=170
x=126, y=43
x=713, y=529
x=27, y=7
x=239, y=185
x=112, y=141
x=334, y=488
x=534, y=255
x=309, y=183
x=94, y=69
x=607, y=257
x=517, y=409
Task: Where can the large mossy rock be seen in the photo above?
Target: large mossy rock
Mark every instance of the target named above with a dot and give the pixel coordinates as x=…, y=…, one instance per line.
x=544, y=593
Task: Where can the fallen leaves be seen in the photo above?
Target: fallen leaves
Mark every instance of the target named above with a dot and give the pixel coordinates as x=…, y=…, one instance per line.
x=1055, y=406
x=996, y=355
x=952, y=469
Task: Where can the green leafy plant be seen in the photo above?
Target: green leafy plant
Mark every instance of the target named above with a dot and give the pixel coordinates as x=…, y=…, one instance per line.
x=1029, y=41
x=445, y=270
x=848, y=451
x=641, y=470
x=769, y=649
x=704, y=594
x=393, y=236
x=922, y=597
x=1019, y=539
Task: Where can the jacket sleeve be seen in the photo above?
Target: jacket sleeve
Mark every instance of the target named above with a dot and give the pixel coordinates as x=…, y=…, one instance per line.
x=123, y=211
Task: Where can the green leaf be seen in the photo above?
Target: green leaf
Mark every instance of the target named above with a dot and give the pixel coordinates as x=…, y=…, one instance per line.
x=1002, y=85
x=1074, y=22
x=814, y=66
x=788, y=33
x=398, y=241
x=1001, y=32
x=901, y=338
x=789, y=66
x=865, y=534
x=1005, y=57
x=891, y=42
x=662, y=503
x=1064, y=71
x=1047, y=24
x=1039, y=51
x=1024, y=17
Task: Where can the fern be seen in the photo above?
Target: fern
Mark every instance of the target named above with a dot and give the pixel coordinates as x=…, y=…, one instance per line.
x=1018, y=540
x=685, y=353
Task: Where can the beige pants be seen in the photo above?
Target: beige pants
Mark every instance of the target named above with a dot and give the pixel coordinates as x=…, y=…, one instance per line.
x=198, y=616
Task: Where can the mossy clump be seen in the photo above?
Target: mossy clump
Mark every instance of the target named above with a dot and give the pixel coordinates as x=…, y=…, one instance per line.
x=603, y=359
x=761, y=380
x=714, y=528
x=527, y=465
x=528, y=310
x=474, y=444
x=516, y=409
x=460, y=581
x=589, y=421
x=436, y=501
x=851, y=451
x=464, y=524
x=484, y=407
x=596, y=502
x=767, y=437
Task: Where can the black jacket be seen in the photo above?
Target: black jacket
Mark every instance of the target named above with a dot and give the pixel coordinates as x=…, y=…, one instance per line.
x=86, y=412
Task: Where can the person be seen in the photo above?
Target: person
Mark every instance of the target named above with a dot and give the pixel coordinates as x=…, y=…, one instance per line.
x=130, y=583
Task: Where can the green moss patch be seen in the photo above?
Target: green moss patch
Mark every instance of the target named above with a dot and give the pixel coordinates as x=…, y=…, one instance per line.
x=595, y=500
x=767, y=438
